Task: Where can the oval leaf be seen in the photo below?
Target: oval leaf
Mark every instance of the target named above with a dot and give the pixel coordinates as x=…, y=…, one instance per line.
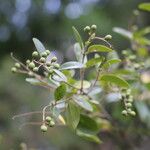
x=115, y=80
x=71, y=65
x=72, y=115
x=39, y=46
x=93, y=61
x=60, y=92
x=78, y=37
x=98, y=48
x=145, y=6
x=83, y=102
x=111, y=62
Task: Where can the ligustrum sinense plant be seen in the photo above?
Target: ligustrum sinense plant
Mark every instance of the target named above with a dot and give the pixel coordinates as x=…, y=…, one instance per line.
x=77, y=98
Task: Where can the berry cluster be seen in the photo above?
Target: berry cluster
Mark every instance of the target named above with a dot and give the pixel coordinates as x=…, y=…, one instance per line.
x=127, y=99
x=49, y=123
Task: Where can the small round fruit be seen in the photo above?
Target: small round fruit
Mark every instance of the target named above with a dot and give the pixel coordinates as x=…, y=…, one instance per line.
x=48, y=118
x=42, y=60
x=128, y=105
x=17, y=65
x=31, y=65
x=44, y=54
x=48, y=64
x=54, y=59
x=30, y=74
x=52, y=123
x=48, y=52
x=35, y=54
x=130, y=100
x=87, y=29
x=13, y=69
x=124, y=112
x=93, y=27
x=27, y=62
x=132, y=113
x=56, y=65
x=51, y=71
x=43, y=128
x=108, y=37
x=35, y=69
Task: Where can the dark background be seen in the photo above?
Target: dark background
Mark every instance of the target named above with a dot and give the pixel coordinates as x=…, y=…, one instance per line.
x=51, y=21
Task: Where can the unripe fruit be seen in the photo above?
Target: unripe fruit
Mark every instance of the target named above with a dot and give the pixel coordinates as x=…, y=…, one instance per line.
x=48, y=119
x=27, y=62
x=124, y=52
x=48, y=64
x=31, y=65
x=42, y=60
x=128, y=105
x=44, y=54
x=132, y=113
x=30, y=74
x=54, y=59
x=52, y=123
x=17, y=65
x=56, y=65
x=43, y=128
x=129, y=110
x=35, y=69
x=51, y=71
x=48, y=52
x=124, y=112
x=35, y=54
x=108, y=37
x=87, y=29
x=13, y=69
x=93, y=27
x=130, y=100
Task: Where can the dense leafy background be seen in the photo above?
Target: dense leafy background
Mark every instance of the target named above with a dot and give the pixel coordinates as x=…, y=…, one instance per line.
x=51, y=21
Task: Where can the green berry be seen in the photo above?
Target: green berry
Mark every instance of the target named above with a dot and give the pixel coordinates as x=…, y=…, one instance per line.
x=132, y=113
x=54, y=59
x=44, y=54
x=43, y=128
x=87, y=29
x=42, y=60
x=108, y=37
x=130, y=100
x=27, y=62
x=51, y=71
x=48, y=118
x=56, y=65
x=35, y=69
x=128, y=105
x=48, y=64
x=48, y=52
x=17, y=65
x=13, y=69
x=93, y=27
x=129, y=110
x=31, y=65
x=35, y=54
x=124, y=52
x=52, y=123
x=124, y=112
x=30, y=74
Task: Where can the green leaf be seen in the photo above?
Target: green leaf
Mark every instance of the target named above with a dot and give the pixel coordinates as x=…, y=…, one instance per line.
x=39, y=46
x=144, y=6
x=141, y=32
x=115, y=80
x=34, y=81
x=86, y=84
x=72, y=115
x=78, y=52
x=99, y=48
x=71, y=65
x=111, y=62
x=83, y=102
x=60, y=92
x=93, y=62
x=78, y=37
x=88, y=125
x=89, y=137
x=123, y=32
x=60, y=74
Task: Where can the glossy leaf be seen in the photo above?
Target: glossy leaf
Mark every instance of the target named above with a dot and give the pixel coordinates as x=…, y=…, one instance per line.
x=86, y=84
x=60, y=92
x=72, y=115
x=123, y=32
x=83, y=102
x=39, y=46
x=144, y=6
x=115, y=80
x=71, y=65
x=78, y=37
x=98, y=48
x=111, y=62
x=93, y=62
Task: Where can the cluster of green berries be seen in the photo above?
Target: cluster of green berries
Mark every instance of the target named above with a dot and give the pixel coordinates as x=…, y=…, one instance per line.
x=49, y=122
x=127, y=98
x=133, y=59
x=90, y=30
x=16, y=67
